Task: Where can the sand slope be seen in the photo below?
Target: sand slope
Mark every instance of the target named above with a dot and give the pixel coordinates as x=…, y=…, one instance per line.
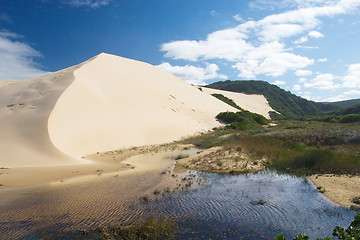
x=250, y=102
x=116, y=102
x=25, y=107
x=105, y=103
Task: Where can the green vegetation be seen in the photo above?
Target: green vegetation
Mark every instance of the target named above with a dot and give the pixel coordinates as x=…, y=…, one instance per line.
x=346, y=115
x=351, y=233
x=295, y=147
x=243, y=120
x=152, y=228
x=284, y=102
x=350, y=110
x=227, y=100
x=350, y=118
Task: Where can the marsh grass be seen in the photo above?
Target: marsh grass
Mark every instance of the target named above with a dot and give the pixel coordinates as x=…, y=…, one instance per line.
x=299, y=158
x=152, y=228
x=296, y=147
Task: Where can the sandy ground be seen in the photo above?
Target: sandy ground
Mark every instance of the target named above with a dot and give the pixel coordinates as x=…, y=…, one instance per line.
x=19, y=177
x=339, y=189
x=126, y=161
x=220, y=160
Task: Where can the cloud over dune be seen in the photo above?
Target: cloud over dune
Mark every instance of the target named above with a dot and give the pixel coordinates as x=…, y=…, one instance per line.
x=192, y=74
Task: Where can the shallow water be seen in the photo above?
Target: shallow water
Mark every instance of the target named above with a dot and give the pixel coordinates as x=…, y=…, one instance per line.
x=228, y=205
x=220, y=207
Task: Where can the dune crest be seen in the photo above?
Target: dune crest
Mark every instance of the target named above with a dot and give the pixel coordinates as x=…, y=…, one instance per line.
x=105, y=103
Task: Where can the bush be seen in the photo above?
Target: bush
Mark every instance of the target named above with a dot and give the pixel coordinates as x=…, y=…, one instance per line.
x=350, y=118
x=243, y=120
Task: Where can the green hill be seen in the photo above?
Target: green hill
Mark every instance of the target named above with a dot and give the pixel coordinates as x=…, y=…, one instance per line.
x=346, y=103
x=286, y=103
x=344, y=115
x=350, y=110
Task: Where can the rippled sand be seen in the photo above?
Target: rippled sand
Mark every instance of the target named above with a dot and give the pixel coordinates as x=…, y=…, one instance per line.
x=89, y=201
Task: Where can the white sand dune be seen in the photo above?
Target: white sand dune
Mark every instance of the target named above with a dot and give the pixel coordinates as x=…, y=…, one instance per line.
x=250, y=102
x=105, y=103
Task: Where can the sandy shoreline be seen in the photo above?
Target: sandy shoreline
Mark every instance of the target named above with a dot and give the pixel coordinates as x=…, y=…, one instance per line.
x=341, y=189
x=119, y=162
x=176, y=157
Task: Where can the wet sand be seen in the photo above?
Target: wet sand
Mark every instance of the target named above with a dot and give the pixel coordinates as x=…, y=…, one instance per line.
x=91, y=201
x=341, y=189
x=97, y=164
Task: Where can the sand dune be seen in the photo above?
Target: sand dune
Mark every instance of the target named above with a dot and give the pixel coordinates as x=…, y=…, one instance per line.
x=25, y=107
x=250, y=102
x=105, y=103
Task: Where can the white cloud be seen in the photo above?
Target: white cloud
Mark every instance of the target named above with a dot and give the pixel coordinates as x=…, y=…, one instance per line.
x=352, y=92
x=352, y=78
x=272, y=65
x=275, y=31
x=7, y=34
x=192, y=74
x=322, y=60
x=16, y=58
x=337, y=98
x=302, y=73
x=302, y=80
x=272, y=4
x=297, y=87
x=278, y=82
x=301, y=40
x=258, y=47
x=315, y=34
x=87, y=3
x=323, y=82
x=307, y=47
x=238, y=18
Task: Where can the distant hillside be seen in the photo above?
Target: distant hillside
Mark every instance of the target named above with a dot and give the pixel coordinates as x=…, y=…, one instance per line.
x=350, y=110
x=344, y=115
x=286, y=103
x=346, y=103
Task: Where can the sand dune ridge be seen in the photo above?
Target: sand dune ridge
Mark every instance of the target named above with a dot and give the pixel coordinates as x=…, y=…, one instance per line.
x=105, y=103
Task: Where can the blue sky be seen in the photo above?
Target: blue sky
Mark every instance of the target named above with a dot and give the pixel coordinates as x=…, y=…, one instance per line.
x=308, y=47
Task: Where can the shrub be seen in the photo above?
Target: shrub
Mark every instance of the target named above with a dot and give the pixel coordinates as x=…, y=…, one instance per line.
x=243, y=120
x=350, y=118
